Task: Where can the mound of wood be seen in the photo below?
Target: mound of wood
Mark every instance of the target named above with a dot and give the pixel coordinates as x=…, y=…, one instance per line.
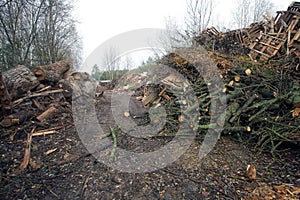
x=262, y=102
x=262, y=40
x=39, y=95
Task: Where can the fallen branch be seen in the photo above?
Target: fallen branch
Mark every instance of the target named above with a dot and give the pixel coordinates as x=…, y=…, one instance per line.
x=46, y=93
x=44, y=133
x=242, y=109
x=47, y=114
x=26, y=158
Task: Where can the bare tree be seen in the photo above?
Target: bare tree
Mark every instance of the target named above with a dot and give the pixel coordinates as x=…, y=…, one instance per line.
x=173, y=36
x=35, y=32
x=198, y=16
x=96, y=74
x=128, y=62
x=111, y=61
x=261, y=8
x=57, y=37
x=19, y=22
x=247, y=12
x=241, y=14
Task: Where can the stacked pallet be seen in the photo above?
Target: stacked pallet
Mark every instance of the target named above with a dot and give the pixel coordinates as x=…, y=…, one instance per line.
x=263, y=40
x=284, y=35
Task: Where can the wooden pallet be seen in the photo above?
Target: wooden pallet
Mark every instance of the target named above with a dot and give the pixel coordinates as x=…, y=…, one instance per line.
x=284, y=34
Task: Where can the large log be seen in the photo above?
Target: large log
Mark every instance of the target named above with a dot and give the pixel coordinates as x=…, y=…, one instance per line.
x=5, y=98
x=19, y=81
x=53, y=72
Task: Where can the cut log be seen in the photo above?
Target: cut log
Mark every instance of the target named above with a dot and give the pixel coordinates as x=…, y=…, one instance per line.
x=19, y=81
x=5, y=98
x=47, y=114
x=53, y=72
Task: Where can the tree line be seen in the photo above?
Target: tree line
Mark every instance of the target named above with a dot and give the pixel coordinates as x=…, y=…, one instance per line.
x=37, y=32
x=200, y=14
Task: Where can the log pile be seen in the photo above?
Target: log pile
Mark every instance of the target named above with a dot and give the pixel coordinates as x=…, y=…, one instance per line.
x=263, y=40
x=37, y=96
x=262, y=103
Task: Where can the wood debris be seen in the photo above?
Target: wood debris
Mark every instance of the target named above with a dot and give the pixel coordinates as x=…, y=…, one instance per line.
x=262, y=40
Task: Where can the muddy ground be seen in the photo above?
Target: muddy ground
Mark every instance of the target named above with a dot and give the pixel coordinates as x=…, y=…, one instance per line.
x=71, y=172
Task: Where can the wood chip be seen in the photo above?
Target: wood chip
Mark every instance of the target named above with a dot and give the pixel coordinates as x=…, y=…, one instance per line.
x=248, y=72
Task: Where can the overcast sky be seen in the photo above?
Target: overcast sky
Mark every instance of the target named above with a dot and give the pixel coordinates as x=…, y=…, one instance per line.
x=100, y=20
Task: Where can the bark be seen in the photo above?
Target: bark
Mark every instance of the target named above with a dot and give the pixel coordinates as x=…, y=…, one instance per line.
x=5, y=98
x=19, y=81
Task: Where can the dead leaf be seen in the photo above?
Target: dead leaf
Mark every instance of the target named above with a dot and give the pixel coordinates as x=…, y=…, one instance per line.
x=296, y=112
x=35, y=164
x=250, y=172
x=66, y=155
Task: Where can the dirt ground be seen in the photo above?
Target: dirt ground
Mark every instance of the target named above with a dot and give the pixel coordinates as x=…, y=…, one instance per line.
x=69, y=171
